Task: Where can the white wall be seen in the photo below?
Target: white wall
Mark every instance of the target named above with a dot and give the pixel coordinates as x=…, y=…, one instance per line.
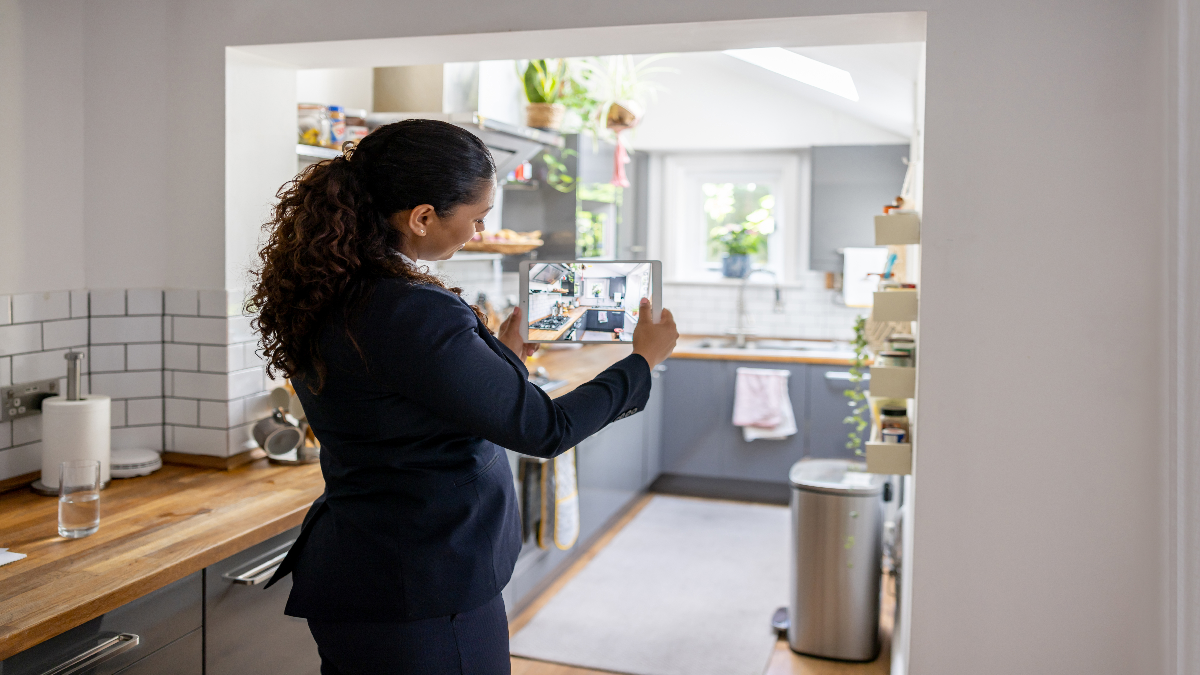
x=1042, y=548
x=348, y=87
x=716, y=102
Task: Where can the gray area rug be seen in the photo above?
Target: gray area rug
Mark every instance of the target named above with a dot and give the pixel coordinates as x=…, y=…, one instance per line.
x=686, y=588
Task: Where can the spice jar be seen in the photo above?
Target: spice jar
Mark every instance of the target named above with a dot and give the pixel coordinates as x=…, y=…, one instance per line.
x=893, y=418
x=895, y=358
x=902, y=342
x=893, y=435
x=312, y=122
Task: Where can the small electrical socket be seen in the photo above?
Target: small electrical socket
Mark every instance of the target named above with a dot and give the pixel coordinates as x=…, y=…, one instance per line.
x=23, y=400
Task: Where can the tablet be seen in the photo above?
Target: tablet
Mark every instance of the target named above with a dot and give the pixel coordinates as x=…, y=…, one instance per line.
x=587, y=301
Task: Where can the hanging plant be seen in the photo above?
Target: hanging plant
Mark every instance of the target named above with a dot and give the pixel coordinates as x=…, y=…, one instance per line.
x=858, y=398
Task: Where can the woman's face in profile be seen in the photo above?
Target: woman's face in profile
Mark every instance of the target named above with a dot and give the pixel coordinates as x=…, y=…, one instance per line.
x=428, y=236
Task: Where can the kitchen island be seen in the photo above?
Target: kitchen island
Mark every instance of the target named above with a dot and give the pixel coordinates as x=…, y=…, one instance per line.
x=161, y=529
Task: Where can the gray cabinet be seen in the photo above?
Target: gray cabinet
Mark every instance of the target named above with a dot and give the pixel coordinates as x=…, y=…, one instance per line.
x=828, y=407
x=167, y=619
x=699, y=438
x=850, y=186
x=246, y=630
x=181, y=657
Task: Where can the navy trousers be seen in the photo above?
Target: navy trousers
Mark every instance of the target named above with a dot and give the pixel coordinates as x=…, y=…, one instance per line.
x=471, y=643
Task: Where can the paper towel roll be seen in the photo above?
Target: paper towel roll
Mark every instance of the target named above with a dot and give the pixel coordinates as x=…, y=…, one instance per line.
x=74, y=430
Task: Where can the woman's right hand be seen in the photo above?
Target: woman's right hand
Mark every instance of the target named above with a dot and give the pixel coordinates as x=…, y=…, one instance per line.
x=654, y=341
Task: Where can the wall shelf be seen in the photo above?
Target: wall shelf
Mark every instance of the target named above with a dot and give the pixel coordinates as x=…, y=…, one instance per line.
x=895, y=305
x=889, y=458
x=893, y=382
x=898, y=229
x=317, y=152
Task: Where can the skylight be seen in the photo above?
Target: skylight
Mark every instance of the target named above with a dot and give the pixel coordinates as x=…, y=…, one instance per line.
x=800, y=68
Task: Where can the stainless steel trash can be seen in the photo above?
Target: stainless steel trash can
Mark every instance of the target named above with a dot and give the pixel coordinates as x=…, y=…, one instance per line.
x=837, y=551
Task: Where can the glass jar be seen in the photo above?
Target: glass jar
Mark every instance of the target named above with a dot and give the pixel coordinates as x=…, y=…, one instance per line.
x=312, y=124
x=893, y=435
x=901, y=342
x=894, y=358
x=893, y=418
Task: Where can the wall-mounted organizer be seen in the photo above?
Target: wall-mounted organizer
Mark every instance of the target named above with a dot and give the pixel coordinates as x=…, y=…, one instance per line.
x=893, y=382
x=897, y=229
x=889, y=458
x=899, y=305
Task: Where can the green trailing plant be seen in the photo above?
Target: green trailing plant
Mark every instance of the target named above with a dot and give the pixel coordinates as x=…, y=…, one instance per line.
x=858, y=398
x=743, y=219
x=545, y=83
x=558, y=176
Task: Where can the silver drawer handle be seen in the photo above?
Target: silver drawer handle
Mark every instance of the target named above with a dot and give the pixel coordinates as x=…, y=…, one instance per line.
x=104, y=651
x=843, y=375
x=259, y=574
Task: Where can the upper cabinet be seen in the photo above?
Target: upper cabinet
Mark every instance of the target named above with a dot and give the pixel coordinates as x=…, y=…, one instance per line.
x=850, y=186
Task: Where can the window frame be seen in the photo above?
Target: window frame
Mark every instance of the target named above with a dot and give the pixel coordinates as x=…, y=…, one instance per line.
x=683, y=231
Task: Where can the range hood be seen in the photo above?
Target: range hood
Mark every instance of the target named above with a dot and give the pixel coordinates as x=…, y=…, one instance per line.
x=511, y=144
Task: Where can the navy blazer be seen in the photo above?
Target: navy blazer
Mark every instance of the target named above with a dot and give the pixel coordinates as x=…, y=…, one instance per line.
x=419, y=515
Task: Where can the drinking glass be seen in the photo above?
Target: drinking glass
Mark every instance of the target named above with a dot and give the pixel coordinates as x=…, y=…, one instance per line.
x=78, y=498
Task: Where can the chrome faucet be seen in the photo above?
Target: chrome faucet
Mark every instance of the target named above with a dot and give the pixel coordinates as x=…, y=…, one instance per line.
x=740, y=334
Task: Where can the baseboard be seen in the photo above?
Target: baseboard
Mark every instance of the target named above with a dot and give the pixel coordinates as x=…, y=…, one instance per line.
x=18, y=482
x=212, y=462
x=733, y=489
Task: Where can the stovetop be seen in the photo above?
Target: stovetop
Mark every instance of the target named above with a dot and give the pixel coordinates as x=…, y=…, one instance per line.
x=550, y=323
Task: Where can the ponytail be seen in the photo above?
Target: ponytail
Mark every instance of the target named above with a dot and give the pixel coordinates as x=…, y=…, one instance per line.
x=329, y=239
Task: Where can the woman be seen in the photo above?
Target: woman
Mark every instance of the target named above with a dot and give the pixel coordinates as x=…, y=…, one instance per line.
x=400, y=563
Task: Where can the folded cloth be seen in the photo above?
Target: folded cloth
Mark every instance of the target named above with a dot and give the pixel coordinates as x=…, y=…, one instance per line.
x=601, y=317
x=761, y=405
x=566, y=500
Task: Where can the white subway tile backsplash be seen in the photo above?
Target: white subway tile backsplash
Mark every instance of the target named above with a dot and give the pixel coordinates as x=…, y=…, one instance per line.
x=107, y=358
x=5, y=310
x=79, y=304
x=251, y=356
x=27, y=430
x=168, y=328
x=224, y=359
x=141, y=411
x=5, y=371
x=181, y=411
x=198, y=441
x=5, y=435
x=209, y=386
x=245, y=382
x=144, y=301
x=257, y=406
x=28, y=307
x=109, y=302
x=180, y=357
x=111, y=330
x=144, y=357
x=241, y=439
x=181, y=303
x=240, y=329
x=39, y=366
x=218, y=303
x=148, y=437
x=69, y=333
x=216, y=414
x=207, y=331
x=20, y=461
x=21, y=338
x=117, y=408
x=142, y=384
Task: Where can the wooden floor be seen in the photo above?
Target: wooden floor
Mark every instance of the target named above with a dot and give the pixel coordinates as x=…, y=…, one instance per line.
x=783, y=660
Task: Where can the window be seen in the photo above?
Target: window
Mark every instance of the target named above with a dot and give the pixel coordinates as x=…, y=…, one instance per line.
x=716, y=204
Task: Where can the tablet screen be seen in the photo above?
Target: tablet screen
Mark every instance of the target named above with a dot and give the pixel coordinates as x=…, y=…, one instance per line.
x=586, y=302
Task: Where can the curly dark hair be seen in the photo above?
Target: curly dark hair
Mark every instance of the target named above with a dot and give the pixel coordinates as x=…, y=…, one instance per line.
x=329, y=240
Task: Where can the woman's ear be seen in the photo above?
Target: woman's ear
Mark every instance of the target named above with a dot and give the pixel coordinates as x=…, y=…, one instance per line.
x=416, y=221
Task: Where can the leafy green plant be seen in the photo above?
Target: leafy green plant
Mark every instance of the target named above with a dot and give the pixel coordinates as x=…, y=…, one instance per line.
x=558, y=176
x=741, y=216
x=544, y=83
x=858, y=398
x=589, y=233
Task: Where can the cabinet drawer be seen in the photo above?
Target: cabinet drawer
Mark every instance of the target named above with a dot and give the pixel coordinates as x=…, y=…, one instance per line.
x=157, y=619
x=184, y=656
x=246, y=630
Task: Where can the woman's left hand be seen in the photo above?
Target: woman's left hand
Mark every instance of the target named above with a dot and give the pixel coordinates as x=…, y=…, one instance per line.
x=510, y=335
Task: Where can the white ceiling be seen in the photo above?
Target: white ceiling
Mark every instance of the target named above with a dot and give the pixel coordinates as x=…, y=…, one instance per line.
x=885, y=76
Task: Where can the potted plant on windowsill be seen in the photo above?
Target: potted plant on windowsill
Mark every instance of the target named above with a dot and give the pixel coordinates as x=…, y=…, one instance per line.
x=740, y=241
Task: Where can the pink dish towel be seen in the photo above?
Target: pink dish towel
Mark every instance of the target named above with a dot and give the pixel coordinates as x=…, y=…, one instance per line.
x=758, y=397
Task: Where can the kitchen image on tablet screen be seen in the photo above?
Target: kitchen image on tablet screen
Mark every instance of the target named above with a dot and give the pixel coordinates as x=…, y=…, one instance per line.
x=573, y=301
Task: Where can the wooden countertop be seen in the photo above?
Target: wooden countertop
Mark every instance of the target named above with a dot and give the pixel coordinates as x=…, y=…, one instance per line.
x=573, y=315
x=689, y=348
x=160, y=528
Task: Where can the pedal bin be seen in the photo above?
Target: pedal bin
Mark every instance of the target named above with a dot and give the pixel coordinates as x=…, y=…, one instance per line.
x=837, y=554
